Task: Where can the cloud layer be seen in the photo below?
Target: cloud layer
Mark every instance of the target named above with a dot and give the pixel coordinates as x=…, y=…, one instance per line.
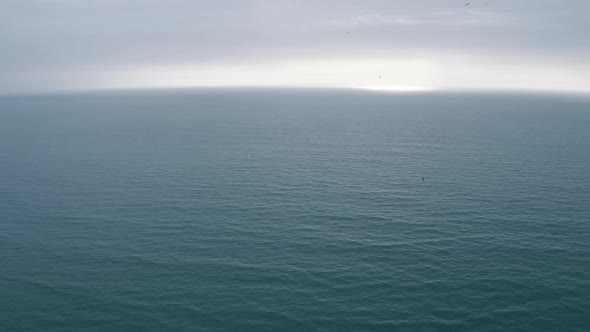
x=60, y=45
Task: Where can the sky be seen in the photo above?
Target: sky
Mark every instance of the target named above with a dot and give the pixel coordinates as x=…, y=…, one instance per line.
x=72, y=45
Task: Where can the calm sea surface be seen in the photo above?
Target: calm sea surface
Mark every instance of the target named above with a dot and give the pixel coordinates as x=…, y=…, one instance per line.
x=287, y=210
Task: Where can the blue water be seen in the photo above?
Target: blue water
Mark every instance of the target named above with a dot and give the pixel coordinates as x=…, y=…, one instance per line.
x=294, y=210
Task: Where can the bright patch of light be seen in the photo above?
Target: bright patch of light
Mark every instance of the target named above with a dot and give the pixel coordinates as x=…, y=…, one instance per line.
x=405, y=74
x=397, y=88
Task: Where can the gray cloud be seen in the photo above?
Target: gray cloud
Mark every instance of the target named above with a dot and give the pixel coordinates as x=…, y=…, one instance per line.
x=69, y=44
x=444, y=18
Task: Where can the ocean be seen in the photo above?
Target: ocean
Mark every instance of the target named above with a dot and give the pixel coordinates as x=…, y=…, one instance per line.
x=294, y=210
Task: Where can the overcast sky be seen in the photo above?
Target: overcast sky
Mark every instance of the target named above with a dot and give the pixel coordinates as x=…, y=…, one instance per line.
x=60, y=45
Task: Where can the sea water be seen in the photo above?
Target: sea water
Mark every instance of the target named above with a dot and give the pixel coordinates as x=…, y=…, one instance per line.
x=294, y=210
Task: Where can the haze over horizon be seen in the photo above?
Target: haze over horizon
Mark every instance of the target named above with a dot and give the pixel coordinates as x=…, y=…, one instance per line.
x=70, y=45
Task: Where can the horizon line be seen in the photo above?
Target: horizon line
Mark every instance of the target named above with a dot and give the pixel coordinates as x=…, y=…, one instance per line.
x=381, y=89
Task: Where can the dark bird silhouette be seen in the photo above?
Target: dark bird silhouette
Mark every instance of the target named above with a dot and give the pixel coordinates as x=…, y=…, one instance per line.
x=422, y=179
x=467, y=4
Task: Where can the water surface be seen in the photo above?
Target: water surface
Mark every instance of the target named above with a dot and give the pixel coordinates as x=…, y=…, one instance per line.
x=294, y=210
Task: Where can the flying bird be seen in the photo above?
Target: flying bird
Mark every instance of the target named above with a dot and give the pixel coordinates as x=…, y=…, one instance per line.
x=467, y=4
